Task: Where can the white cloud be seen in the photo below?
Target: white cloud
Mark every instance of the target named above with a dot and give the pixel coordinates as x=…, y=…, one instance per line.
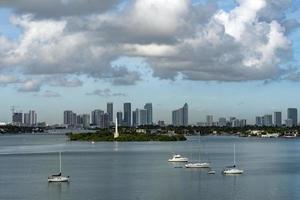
x=176, y=39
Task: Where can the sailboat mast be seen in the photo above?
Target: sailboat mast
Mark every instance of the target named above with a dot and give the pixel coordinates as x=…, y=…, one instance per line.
x=234, y=154
x=59, y=162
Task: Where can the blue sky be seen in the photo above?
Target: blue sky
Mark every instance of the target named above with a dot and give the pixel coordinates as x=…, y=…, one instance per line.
x=147, y=66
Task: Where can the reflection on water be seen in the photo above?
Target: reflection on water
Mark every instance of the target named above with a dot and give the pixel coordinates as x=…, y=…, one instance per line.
x=140, y=170
x=55, y=189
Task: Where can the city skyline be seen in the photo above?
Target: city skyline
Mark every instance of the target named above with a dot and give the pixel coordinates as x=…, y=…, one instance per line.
x=221, y=57
x=138, y=116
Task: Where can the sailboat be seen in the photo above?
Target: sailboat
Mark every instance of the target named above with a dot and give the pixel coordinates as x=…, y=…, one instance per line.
x=198, y=164
x=232, y=169
x=58, y=177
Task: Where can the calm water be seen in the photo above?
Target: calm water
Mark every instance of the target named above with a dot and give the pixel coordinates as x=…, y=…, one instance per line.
x=141, y=171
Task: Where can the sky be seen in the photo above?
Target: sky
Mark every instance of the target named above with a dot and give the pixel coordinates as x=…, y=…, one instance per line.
x=224, y=58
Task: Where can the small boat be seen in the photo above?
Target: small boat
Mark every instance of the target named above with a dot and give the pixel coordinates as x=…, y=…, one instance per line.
x=178, y=158
x=211, y=172
x=198, y=165
x=232, y=169
x=93, y=142
x=58, y=177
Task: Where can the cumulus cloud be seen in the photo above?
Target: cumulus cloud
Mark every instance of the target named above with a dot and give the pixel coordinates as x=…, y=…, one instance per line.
x=176, y=39
x=30, y=86
x=105, y=93
x=59, y=8
x=8, y=79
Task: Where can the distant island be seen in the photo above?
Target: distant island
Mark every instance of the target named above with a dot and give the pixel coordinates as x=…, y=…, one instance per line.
x=136, y=137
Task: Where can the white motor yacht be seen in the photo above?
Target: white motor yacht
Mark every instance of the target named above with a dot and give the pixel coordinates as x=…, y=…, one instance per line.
x=178, y=158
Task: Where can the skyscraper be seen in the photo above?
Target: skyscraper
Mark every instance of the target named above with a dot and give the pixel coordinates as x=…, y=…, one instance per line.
x=292, y=113
x=258, y=121
x=110, y=112
x=267, y=120
x=277, y=119
x=120, y=118
x=86, y=120
x=185, y=111
x=127, y=114
x=148, y=107
x=96, y=117
x=180, y=116
x=17, y=118
x=143, y=117
x=136, y=118
x=68, y=117
x=209, y=120
x=32, y=118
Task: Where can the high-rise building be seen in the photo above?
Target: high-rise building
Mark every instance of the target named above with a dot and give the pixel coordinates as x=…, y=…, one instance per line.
x=148, y=107
x=258, y=121
x=17, y=118
x=68, y=117
x=180, y=116
x=104, y=120
x=222, y=122
x=136, y=118
x=143, y=117
x=86, y=120
x=26, y=119
x=127, y=114
x=120, y=118
x=292, y=113
x=267, y=120
x=243, y=122
x=289, y=123
x=96, y=117
x=32, y=118
x=209, y=120
x=110, y=111
x=277, y=119
x=185, y=115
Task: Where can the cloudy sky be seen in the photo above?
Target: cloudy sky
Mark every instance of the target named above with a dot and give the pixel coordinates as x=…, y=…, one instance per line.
x=223, y=57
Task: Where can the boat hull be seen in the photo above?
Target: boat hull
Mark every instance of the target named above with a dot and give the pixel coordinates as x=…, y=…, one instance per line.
x=197, y=165
x=58, y=179
x=232, y=171
x=178, y=160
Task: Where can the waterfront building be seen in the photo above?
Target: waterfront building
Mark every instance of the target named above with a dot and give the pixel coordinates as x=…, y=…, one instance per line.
x=161, y=123
x=68, y=117
x=209, y=120
x=136, y=118
x=148, y=107
x=143, y=117
x=96, y=117
x=110, y=112
x=33, y=118
x=86, y=120
x=104, y=120
x=277, y=119
x=292, y=113
x=243, y=122
x=267, y=120
x=26, y=119
x=180, y=116
x=289, y=123
x=17, y=118
x=127, y=114
x=222, y=122
x=258, y=121
x=120, y=118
